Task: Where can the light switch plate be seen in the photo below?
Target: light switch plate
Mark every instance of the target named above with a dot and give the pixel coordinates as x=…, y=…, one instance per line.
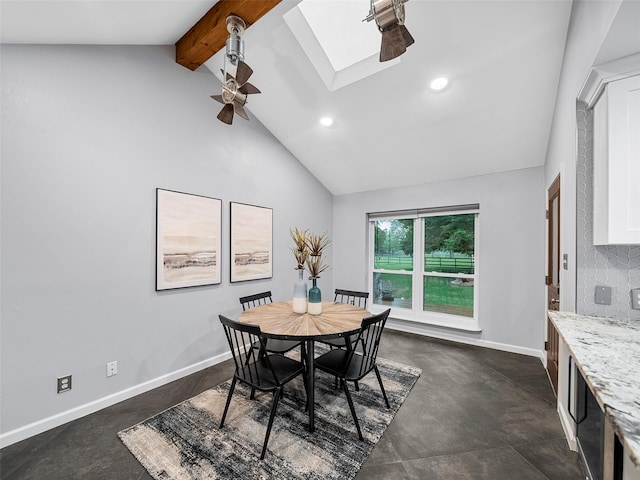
x=635, y=298
x=603, y=295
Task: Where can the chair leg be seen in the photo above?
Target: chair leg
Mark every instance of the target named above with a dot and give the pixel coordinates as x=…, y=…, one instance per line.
x=306, y=390
x=349, y=346
x=353, y=410
x=274, y=406
x=253, y=394
x=226, y=407
x=384, y=394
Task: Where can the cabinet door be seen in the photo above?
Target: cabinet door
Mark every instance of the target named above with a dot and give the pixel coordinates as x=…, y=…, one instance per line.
x=616, y=191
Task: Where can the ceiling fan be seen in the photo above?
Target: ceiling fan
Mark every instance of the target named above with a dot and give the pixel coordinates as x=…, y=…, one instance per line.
x=389, y=16
x=235, y=89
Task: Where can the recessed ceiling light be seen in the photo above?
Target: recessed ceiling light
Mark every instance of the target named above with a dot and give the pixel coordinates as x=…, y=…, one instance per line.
x=439, y=83
x=326, y=121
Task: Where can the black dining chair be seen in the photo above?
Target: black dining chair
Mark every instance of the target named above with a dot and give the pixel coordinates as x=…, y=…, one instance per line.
x=266, y=373
x=355, y=363
x=351, y=297
x=359, y=299
x=273, y=345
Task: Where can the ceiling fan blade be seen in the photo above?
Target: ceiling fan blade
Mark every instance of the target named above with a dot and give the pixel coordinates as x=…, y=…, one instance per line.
x=226, y=114
x=393, y=44
x=239, y=109
x=408, y=39
x=243, y=72
x=247, y=89
x=218, y=98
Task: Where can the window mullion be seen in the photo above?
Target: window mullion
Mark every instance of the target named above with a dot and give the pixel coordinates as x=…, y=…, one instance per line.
x=418, y=264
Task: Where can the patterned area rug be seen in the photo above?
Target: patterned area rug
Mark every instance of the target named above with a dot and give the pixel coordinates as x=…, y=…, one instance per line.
x=186, y=443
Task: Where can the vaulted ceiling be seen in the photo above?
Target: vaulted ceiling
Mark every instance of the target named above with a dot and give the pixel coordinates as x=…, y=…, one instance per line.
x=502, y=58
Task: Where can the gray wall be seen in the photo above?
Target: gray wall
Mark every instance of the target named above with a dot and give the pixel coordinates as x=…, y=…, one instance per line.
x=88, y=134
x=588, y=27
x=616, y=266
x=511, y=255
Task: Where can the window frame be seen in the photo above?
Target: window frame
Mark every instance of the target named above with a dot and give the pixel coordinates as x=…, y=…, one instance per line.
x=418, y=274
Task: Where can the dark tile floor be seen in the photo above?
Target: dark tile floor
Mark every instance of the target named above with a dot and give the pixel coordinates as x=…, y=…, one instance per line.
x=475, y=413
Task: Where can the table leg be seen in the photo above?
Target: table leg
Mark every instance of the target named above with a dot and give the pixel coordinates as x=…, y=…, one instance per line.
x=311, y=384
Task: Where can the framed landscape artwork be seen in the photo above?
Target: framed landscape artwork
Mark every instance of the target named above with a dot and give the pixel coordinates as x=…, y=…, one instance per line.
x=187, y=240
x=251, y=242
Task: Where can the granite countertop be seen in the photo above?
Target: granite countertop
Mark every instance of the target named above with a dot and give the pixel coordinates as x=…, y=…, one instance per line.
x=607, y=352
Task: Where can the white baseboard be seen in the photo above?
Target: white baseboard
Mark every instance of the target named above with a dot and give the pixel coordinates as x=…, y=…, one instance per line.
x=48, y=423
x=53, y=421
x=421, y=329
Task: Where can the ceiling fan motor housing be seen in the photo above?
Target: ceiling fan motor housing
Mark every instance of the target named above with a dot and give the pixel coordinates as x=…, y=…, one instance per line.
x=235, y=48
x=388, y=12
x=235, y=44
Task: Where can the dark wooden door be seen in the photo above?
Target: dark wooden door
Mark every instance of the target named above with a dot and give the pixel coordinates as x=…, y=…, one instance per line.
x=553, y=278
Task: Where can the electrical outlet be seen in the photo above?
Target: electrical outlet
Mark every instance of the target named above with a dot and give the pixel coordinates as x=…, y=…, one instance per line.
x=635, y=298
x=112, y=369
x=64, y=383
x=603, y=295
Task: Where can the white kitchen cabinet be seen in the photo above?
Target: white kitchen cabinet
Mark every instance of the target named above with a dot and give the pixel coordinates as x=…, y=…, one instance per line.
x=616, y=169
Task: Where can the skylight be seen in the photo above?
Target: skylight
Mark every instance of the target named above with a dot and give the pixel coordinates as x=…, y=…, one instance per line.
x=342, y=48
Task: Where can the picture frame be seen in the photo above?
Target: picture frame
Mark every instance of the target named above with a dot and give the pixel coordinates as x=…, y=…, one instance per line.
x=188, y=240
x=251, y=242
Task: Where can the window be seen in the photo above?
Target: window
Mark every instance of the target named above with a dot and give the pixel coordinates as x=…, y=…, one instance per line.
x=423, y=265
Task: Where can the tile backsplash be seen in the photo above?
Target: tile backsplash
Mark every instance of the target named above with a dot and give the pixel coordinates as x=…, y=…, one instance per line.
x=615, y=266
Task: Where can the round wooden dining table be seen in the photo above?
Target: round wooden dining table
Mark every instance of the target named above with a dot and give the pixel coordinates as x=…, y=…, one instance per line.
x=277, y=320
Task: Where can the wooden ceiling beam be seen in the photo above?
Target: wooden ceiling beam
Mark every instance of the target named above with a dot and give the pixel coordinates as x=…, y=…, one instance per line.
x=209, y=35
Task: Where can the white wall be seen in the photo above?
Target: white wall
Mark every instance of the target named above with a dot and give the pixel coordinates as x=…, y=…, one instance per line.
x=88, y=134
x=510, y=290
x=590, y=22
